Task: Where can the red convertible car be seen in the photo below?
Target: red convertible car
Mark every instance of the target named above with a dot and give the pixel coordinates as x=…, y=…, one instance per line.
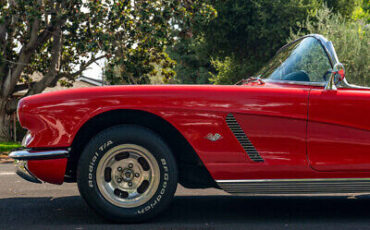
x=297, y=128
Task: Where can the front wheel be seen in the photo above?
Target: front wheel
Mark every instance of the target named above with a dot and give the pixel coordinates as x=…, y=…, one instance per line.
x=127, y=174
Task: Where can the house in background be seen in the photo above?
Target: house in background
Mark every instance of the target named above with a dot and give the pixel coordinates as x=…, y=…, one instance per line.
x=89, y=81
x=16, y=132
x=80, y=82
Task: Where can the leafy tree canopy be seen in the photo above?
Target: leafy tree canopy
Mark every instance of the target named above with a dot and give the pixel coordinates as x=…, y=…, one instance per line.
x=247, y=32
x=344, y=7
x=60, y=39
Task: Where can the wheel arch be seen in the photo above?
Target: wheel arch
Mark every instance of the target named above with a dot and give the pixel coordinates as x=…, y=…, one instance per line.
x=192, y=172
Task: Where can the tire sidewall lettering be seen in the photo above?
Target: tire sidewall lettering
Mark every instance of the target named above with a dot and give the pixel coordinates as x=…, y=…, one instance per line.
x=93, y=162
x=106, y=142
x=154, y=201
x=160, y=191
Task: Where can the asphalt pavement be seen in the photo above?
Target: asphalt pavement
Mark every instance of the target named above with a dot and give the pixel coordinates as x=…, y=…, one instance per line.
x=25, y=205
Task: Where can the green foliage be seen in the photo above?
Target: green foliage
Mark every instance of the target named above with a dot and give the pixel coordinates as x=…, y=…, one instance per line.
x=351, y=40
x=8, y=146
x=157, y=24
x=254, y=28
x=229, y=70
x=193, y=60
x=344, y=7
x=362, y=12
x=193, y=63
x=247, y=32
x=130, y=34
x=61, y=39
x=225, y=69
x=140, y=67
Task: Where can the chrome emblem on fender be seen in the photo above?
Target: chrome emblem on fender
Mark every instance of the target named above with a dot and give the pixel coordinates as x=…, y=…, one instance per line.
x=213, y=137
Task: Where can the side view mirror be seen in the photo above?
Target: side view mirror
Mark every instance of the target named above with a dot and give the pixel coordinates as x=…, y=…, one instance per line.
x=337, y=75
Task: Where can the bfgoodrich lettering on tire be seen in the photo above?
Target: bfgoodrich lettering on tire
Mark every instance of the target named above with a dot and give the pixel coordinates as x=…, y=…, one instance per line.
x=127, y=173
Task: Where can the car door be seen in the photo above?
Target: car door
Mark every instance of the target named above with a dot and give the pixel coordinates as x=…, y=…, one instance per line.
x=274, y=123
x=338, y=134
x=274, y=118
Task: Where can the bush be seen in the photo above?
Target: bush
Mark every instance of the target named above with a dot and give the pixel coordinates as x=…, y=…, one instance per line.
x=350, y=38
x=193, y=64
x=8, y=146
x=230, y=70
x=344, y=7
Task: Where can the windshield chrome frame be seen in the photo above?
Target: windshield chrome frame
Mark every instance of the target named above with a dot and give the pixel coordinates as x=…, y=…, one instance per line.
x=325, y=44
x=310, y=83
x=330, y=53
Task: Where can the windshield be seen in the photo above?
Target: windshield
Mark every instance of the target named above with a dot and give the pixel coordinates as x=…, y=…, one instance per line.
x=304, y=60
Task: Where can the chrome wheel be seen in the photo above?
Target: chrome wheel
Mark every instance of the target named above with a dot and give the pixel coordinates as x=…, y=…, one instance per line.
x=128, y=175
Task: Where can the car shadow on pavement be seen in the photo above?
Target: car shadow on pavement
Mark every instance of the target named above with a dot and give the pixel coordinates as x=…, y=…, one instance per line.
x=196, y=210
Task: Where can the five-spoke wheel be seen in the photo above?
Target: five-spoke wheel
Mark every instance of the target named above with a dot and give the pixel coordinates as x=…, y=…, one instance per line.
x=127, y=173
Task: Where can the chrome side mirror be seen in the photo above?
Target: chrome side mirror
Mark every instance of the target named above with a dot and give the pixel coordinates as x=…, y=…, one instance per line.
x=337, y=75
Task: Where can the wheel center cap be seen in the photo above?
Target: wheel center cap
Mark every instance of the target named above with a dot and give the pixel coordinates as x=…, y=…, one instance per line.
x=128, y=174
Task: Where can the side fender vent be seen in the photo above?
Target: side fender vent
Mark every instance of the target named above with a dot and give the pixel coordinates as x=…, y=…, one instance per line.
x=244, y=141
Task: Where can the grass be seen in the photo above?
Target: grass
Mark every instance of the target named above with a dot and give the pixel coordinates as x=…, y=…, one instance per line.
x=6, y=147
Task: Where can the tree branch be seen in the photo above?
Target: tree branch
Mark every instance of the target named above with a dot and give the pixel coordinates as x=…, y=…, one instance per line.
x=54, y=67
x=3, y=31
x=21, y=87
x=7, y=32
x=4, y=28
x=82, y=68
x=34, y=32
x=26, y=54
x=11, y=105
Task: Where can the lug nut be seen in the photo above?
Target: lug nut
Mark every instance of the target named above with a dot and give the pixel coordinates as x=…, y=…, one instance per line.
x=130, y=165
x=130, y=184
x=137, y=174
x=119, y=180
x=119, y=169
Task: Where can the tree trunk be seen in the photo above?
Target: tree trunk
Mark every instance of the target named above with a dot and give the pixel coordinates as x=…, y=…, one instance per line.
x=4, y=124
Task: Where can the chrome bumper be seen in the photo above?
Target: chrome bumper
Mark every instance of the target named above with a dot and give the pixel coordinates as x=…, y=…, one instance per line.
x=29, y=154
x=23, y=172
x=23, y=155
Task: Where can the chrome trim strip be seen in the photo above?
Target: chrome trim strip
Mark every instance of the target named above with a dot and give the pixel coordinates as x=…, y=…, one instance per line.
x=295, y=186
x=351, y=86
x=309, y=83
x=284, y=180
x=319, y=84
x=27, y=154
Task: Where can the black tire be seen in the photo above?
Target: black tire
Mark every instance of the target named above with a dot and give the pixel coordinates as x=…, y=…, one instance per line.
x=120, y=135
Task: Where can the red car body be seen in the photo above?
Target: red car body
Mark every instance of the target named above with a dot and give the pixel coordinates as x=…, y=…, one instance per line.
x=299, y=131
x=295, y=132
